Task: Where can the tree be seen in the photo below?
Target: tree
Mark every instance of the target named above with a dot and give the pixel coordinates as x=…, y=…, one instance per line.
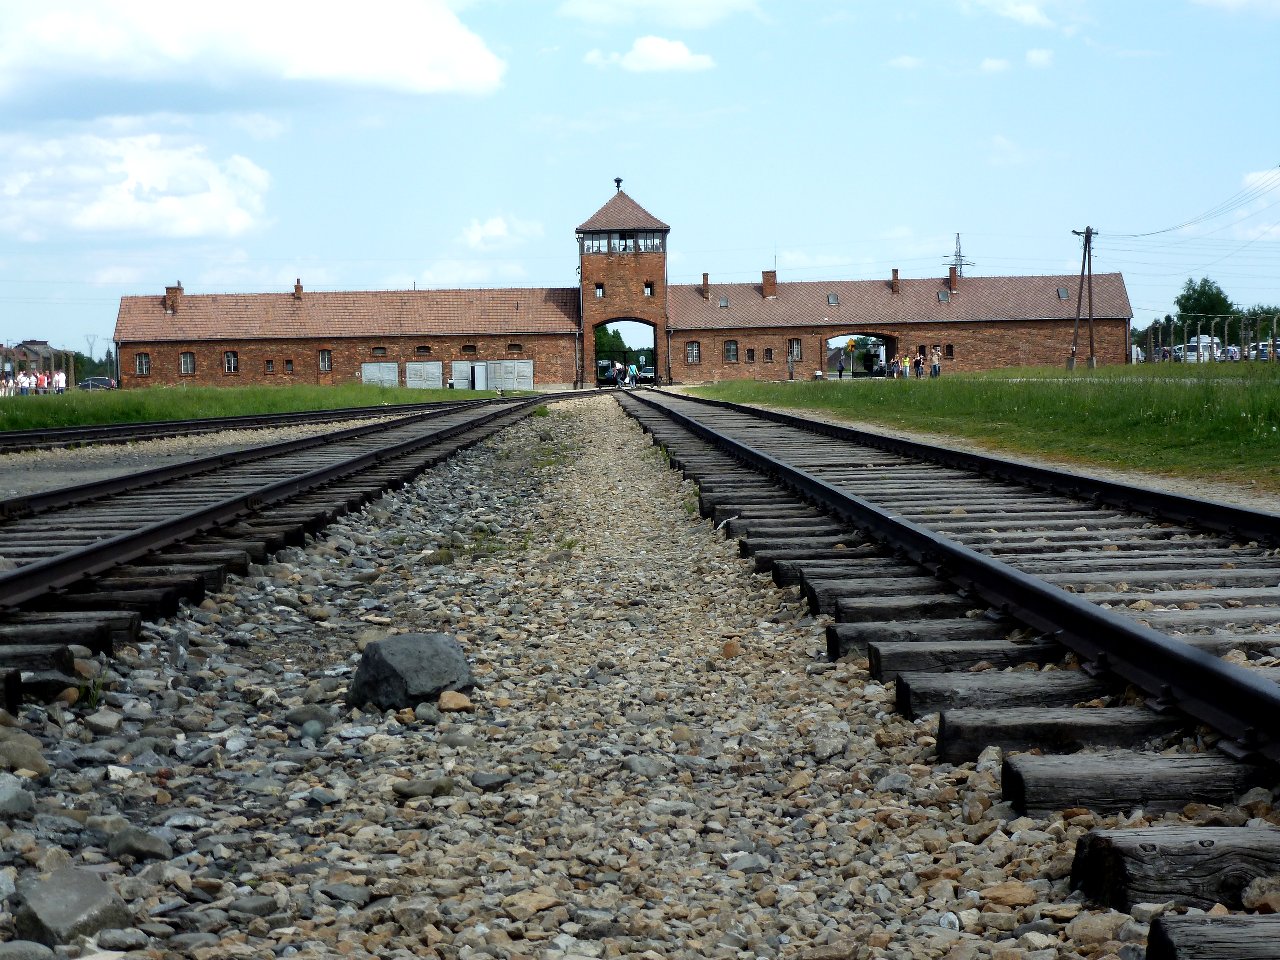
x=609, y=343
x=1204, y=306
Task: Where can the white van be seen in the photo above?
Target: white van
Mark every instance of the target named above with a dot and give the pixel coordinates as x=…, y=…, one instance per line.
x=1201, y=352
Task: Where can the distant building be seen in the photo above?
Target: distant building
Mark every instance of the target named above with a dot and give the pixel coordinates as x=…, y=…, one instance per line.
x=544, y=337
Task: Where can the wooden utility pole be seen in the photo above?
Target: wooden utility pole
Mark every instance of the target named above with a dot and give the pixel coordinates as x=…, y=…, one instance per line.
x=1075, y=336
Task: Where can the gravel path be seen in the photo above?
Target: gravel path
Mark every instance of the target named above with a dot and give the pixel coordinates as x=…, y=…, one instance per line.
x=654, y=762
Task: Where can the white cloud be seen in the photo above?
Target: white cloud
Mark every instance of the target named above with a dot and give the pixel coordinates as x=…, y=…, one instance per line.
x=499, y=232
x=1029, y=13
x=1005, y=152
x=993, y=65
x=428, y=50
x=260, y=126
x=150, y=184
x=1271, y=7
x=692, y=14
x=651, y=55
x=471, y=273
x=1039, y=58
x=906, y=62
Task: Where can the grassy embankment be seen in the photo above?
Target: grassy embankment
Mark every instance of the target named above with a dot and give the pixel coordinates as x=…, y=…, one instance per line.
x=78, y=407
x=1211, y=421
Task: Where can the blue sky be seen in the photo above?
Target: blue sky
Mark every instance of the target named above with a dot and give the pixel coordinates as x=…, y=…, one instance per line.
x=447, y=143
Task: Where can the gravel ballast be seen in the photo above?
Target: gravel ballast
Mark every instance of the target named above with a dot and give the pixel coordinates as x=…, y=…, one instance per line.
x=653, y=761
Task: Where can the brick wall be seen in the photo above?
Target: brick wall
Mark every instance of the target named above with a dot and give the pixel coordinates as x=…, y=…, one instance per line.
x=975, y=346
x=623, y=276
x=552, y=356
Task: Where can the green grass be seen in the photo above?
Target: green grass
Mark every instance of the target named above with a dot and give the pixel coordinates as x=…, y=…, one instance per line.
x=78, y=407
x=1210, y=421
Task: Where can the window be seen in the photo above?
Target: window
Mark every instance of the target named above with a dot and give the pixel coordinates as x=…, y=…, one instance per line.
x=326, y=361
x=422, y=349
x=731, y=351
x=1063, y=293
x=468, y=348
x=751, y=355
x=648, y=288
x=142, y=364
x=288, y=366
x=833, y=299
x=271, y=366
x=186, y=363
x=768, y=354
x=944, y=296
x=379, y=351
x=231, y=362
x=515, y=348
x=949, y=351
x=693, y=352
x=793, y=349
x=724, y=303
x=599, y=291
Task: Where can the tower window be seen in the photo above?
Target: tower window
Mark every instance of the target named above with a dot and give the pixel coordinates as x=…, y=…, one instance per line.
x=599, y=291
x=648, y=288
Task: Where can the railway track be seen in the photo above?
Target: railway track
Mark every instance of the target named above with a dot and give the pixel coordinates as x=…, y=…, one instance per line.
x=1106, y=637
x=84, y=565
x=16, y=441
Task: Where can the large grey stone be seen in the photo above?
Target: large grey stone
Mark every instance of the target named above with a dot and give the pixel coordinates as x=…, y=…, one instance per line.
x=25, y=950
x=67, y=904
x=139, y=844
x=408, y=669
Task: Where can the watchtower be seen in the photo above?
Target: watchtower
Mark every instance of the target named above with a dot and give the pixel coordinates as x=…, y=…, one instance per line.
x=622, y=256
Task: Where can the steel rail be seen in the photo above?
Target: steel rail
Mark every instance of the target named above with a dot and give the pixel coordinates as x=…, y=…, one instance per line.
x=1230, y=698
x=35, y=503
x=1225, y=518
x=15, y=441
x=52, y=573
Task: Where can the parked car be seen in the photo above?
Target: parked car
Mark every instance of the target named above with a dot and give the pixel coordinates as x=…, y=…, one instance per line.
x=1194, y=353
x=1260, y=351
x=96, y=383
x=646, y=375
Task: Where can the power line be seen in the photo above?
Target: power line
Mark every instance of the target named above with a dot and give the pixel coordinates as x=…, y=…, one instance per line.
x=1234, y=202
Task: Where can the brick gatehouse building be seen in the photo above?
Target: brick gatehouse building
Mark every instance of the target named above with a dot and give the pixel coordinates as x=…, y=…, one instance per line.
x=544, y=337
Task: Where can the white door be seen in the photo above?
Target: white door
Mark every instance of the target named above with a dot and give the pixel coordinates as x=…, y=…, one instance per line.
x=479, y=376
x=424, y=375
x=524, y=375
x=380, y=374
x=460, y=374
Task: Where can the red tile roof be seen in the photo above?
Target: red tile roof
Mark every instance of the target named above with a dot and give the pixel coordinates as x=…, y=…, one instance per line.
x=359, y=313
x=622, y=213
x=872, y=301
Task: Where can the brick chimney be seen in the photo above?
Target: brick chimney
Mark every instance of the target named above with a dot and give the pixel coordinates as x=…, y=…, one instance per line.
x=706, y=286
x=297, y=289
x=895, y=284
x=953, y=281
x=172, y=297
x=769, y=283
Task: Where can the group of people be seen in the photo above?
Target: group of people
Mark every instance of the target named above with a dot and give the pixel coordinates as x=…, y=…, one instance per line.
x=27, y=382
x=904, y=366
x=625, y=376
